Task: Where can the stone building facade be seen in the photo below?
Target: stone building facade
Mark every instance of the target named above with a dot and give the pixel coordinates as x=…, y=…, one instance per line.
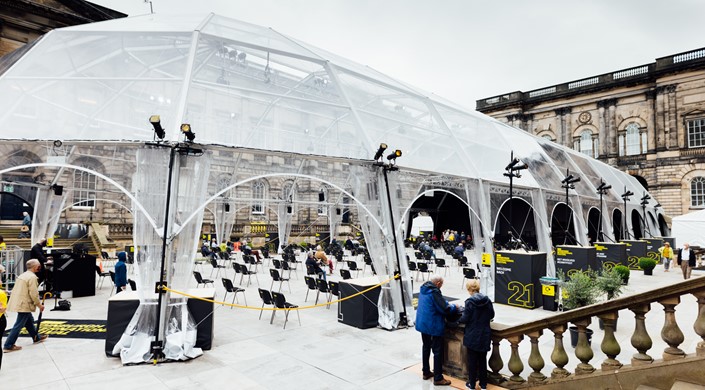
x=23, y=21
x=648, y=120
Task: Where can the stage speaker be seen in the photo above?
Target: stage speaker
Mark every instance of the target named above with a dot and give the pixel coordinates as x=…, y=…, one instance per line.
x=289, y=210
x=227, y=207
x=58, y=190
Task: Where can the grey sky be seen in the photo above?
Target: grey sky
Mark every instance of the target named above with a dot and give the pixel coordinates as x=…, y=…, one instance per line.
x=466, y=50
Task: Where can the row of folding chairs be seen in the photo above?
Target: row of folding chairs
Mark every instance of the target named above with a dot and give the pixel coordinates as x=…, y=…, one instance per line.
x=277, y=300
x=329, y=289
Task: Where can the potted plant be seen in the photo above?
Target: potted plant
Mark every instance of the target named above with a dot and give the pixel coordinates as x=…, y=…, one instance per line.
x=623, y=271
x=578, y=291
x=647, y=264
x=610, y=283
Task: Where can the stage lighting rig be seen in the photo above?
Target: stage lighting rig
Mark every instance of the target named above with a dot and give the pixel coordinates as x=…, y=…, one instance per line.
x=380, y=151
x=156, y=123
x=626, y=194
x=392, y=157
x=569, y=180
x=186, y=129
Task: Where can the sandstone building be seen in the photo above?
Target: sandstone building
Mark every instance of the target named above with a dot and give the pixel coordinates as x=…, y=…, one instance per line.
x=648, y=120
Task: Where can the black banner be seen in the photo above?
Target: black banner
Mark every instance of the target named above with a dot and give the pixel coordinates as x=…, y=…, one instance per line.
x=517, y=276
x=609, y=254
x=635, y=250
x=573, y=258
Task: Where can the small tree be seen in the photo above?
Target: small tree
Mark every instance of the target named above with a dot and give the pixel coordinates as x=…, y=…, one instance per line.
x=623, y=271
x=580, y=290
x=610, y=282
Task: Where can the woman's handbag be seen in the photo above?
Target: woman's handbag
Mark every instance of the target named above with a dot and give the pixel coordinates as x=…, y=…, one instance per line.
x=24, y=229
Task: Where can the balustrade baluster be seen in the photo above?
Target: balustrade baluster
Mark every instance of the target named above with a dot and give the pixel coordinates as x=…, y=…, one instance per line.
x=641, y=340
x=610, y=346
x=495, y=363
x=671, y=333
x=559, y=357
x=515, y=365
x=699, y=325
x=535, y=360
x=583, y=351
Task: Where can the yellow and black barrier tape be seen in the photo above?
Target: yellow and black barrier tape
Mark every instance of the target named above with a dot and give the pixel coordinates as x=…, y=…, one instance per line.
x=276, y=308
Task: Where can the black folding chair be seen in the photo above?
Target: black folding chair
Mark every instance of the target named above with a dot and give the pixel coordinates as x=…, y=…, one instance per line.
x=345, y=274
x=311, y=284
x=246, y=272
x=334, y=289
x=101, y=276
x=352, y=265
x=281, y=303
x=288, y=268
x=230, y=288
x=468, y=273
x=422, y=268
x=441, y=263
x=323, y=288
x=133, y=284
x=278, y=278
x=217, y=266
x=200, y=280
x=266, y=300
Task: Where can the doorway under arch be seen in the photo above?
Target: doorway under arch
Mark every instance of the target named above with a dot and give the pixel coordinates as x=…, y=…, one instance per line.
x=562, y=225
x=617, y=224
x=594, y=220
x=663, y=226
x=637, y=225
x=520, y=225
x=445, y=209
x=12, y=206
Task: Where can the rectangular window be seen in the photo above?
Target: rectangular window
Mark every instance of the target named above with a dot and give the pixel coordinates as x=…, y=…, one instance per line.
x=696, y=133
x=84, y=190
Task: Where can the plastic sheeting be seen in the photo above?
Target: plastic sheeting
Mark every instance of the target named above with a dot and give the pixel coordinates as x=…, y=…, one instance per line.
x=46, y=215
x=190, y=175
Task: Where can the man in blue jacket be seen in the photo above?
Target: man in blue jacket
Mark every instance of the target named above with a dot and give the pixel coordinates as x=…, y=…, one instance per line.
x=121, y=272
x=430, y=321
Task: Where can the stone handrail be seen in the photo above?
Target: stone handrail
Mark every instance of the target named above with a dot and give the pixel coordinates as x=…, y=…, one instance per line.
x=640, y=304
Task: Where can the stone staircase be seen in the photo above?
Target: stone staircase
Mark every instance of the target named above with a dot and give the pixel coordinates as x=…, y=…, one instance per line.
x=10, y=233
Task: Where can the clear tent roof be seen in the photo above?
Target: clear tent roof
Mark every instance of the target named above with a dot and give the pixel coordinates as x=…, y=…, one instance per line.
x=243, y=85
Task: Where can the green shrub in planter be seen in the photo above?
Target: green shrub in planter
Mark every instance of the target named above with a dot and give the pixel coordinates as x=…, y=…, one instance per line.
x=580, y=290
x=647, y=264
x=610, y=282
x=623, y=271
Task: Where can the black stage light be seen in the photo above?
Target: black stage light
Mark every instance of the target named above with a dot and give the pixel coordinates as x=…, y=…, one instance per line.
x=58, y=190
x=380, y=151
x=156, y=123
x=186, y=129
x=393, y=156
x=512, y=164
x=226, y=207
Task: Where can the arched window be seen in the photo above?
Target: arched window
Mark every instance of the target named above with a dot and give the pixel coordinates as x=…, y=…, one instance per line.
x=84, y=185
x=289, y=195
x=632, y=141
x=322, y=201
x=548, y=137
x=258, y=196
x=697, y=192
x=586, y=143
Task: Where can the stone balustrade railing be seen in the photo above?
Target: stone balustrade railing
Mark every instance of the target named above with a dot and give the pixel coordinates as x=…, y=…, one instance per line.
x=119, y=230
x=641, y=340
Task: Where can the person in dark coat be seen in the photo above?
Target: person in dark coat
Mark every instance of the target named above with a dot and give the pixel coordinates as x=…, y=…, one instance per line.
x=430, y=321
x=686, y=260
x=477, y=316
x=44, y=274
x=312, y=263
x=121, y=272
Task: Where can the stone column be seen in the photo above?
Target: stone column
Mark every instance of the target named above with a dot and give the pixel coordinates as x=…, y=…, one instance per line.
x=677, y=139
x=562, y=126
x=650, y=120
x=641, y=339
x=659, y=121
x=699, y=325
x=583, y=351
x=671, y=333
x=559, y=357
x=495, y=362
x=610, y=346
x=612, y=128
x=515, y=364
x=535, y=360
x=602, y=130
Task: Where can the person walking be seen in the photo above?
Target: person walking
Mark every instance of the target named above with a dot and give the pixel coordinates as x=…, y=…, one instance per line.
x=430, y=321
x=24, y=301
x=121, y=272
x=26, y=225
x=667, y=255
x=477, y=316
x=686, y=260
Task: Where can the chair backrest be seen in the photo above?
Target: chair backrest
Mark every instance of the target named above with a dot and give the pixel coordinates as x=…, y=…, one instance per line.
x=279, y=300
x=275, y=274
x=333, y=288
x=133, y=284
x=322, y=285
x=214, y=263
x=463, y=260
x=266, y=296
x=284, y=265
x=418, y=255
x=440, y=262
x=236, y=267
x=310, y=282
x=228, y=285
x=97, y=270
x=244, y=270
x=310, y=270
x=277, y=263
x=345, y=274
x=352, y=265
x=196, y=275
x=104, y=255
x=112, y=276
x=412, y=266
x=469, y=273
x=423, y=267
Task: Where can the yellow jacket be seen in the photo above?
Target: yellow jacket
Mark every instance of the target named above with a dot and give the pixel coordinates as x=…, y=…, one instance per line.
x=661, y=250
x=3, y=301
x=25, y=295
